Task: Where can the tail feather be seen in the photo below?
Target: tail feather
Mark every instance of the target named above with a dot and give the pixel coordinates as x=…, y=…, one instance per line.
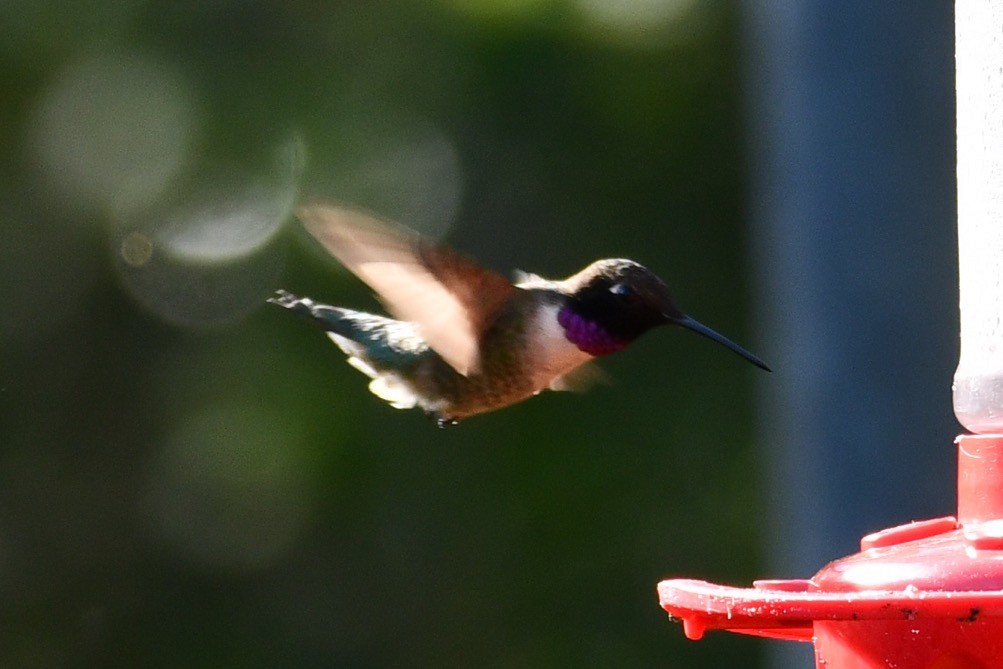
x=330, y=318
x=377, y=346
x=377, y=341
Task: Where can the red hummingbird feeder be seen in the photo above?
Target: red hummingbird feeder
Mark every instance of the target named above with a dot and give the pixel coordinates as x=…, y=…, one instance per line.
x=927, y=594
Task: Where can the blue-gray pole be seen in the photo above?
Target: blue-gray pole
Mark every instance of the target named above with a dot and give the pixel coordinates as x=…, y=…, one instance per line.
x=852, y=196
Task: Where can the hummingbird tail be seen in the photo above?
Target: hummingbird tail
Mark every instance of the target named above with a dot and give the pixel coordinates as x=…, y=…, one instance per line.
x=325, y=317
x=376, y=346
x=285, y=299
x=379, y=341
x=332, y=319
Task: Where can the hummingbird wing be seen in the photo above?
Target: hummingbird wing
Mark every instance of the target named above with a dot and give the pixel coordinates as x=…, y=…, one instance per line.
x=452, y=300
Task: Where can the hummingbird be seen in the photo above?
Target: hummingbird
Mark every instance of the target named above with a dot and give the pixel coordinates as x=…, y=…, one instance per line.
x=465, y=340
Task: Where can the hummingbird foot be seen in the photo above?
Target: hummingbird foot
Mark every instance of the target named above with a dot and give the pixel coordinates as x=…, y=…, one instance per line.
x=440, y=421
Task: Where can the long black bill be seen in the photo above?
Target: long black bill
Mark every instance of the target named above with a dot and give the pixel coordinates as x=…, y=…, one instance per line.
x=700, y=328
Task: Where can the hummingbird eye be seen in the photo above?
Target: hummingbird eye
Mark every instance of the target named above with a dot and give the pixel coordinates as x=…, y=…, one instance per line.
x=625, y=292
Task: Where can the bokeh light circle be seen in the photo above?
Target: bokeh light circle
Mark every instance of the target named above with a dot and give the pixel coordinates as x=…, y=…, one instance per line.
x=206, y=258
x=112, y=131
x=226, y=491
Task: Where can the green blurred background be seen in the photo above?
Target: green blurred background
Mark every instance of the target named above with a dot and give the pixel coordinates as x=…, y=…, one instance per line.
x=189, y=477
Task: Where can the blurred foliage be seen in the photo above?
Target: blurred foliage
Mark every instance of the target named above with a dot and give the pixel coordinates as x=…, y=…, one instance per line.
x=189, y=477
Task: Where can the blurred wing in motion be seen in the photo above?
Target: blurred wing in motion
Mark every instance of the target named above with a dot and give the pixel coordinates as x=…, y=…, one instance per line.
x=452, y=300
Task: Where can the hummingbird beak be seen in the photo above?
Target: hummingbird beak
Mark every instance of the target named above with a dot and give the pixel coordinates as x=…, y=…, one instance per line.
x=698, y=327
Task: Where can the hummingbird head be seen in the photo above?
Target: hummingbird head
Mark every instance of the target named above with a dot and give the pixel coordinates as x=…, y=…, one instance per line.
x=614, y=301
x=617, y=300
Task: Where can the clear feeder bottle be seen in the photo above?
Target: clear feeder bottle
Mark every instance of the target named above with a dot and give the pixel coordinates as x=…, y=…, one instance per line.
x=978, y=381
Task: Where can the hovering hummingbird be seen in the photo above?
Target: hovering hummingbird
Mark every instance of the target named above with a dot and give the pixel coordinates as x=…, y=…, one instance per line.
x=465, y=340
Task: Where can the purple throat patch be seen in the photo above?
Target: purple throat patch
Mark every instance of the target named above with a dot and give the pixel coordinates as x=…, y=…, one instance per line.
x=588, y=335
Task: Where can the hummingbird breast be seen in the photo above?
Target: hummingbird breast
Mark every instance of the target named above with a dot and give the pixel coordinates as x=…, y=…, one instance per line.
x=521, y=354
